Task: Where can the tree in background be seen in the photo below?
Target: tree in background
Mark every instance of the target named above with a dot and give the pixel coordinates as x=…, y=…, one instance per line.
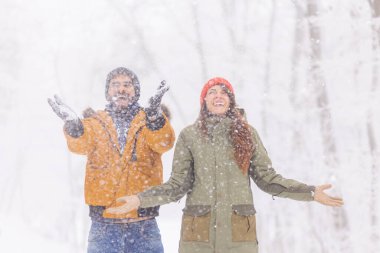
x=373, y=146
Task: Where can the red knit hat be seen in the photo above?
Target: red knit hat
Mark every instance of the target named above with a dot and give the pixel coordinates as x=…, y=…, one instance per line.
x=212, y=82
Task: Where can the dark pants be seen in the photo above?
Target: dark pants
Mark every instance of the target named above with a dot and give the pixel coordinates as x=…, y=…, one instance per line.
x=137, y=237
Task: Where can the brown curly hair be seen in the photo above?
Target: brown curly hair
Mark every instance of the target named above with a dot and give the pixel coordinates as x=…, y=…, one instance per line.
x=240, y=132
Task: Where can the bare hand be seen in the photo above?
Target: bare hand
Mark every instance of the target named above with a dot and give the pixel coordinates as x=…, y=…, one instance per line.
x=321, y=197
x=131, y=203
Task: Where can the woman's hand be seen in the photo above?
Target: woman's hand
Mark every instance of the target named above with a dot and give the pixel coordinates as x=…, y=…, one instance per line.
x=131, y=203
x=325, y=199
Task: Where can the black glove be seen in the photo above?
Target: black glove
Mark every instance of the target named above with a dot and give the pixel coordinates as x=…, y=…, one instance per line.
x=73, y=125
x=62, y=110
x=155, y=119
x=154, y=109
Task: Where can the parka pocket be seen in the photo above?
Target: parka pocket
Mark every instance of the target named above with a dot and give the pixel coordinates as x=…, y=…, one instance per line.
x=243, y=223
x=196, y=223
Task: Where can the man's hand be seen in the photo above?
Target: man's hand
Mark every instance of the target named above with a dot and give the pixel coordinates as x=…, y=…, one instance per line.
x=131, y=203
x=62, y=110
x=325, y=199
x=154, y=102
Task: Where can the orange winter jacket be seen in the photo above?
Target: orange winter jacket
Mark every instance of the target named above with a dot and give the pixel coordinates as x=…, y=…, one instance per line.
x=111, y=174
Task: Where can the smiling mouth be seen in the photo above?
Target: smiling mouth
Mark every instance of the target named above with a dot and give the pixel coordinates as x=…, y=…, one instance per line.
x=115, y=98
x=219, y=104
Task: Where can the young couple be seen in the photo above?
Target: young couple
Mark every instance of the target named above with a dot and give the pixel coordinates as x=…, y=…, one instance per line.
x=213, y=162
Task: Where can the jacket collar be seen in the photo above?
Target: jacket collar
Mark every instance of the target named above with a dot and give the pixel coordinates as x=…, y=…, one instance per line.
x=128, y=112
x=218, y=124
x=106, y=120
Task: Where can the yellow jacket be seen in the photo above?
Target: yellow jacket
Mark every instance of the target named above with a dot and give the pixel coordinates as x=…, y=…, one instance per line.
x=111, y=174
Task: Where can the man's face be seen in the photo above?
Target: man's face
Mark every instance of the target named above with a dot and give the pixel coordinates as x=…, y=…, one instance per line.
x=217, y=100
x=121, y=90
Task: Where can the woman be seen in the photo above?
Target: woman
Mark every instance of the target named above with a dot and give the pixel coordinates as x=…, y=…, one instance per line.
x=213, y=162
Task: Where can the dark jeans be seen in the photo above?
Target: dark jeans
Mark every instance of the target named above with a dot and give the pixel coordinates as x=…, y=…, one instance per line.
x=137, y=237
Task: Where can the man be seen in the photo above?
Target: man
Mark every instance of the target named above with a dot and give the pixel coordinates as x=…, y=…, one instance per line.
x=123, y=145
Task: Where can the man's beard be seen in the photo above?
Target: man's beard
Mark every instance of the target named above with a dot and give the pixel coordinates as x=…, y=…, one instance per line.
x=122, y=100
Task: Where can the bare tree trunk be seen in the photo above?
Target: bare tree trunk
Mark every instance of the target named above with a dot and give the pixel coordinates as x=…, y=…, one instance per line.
x=279, y=246
x=230, y=11
x=268, y=67
x=340, y=220
x=228, y=8
x=298, y=143
x=296, y=56
x=199, y=47
x=375, y=9
x=319, y=83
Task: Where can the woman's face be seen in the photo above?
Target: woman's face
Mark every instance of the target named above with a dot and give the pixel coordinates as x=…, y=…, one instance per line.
x=217, y=100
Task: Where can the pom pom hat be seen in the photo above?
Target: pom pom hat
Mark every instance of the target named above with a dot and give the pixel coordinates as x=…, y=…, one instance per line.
x=212, y=82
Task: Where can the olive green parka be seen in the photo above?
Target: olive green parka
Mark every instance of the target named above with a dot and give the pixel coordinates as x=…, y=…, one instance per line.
x=219, y=215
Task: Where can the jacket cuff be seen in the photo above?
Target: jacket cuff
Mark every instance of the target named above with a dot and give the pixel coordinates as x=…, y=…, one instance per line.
x=148, y=212
x=74, y=128
x=303, y=192
x=155, y=123
x=312, y=191
x=143, y=203
x=146, y=201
